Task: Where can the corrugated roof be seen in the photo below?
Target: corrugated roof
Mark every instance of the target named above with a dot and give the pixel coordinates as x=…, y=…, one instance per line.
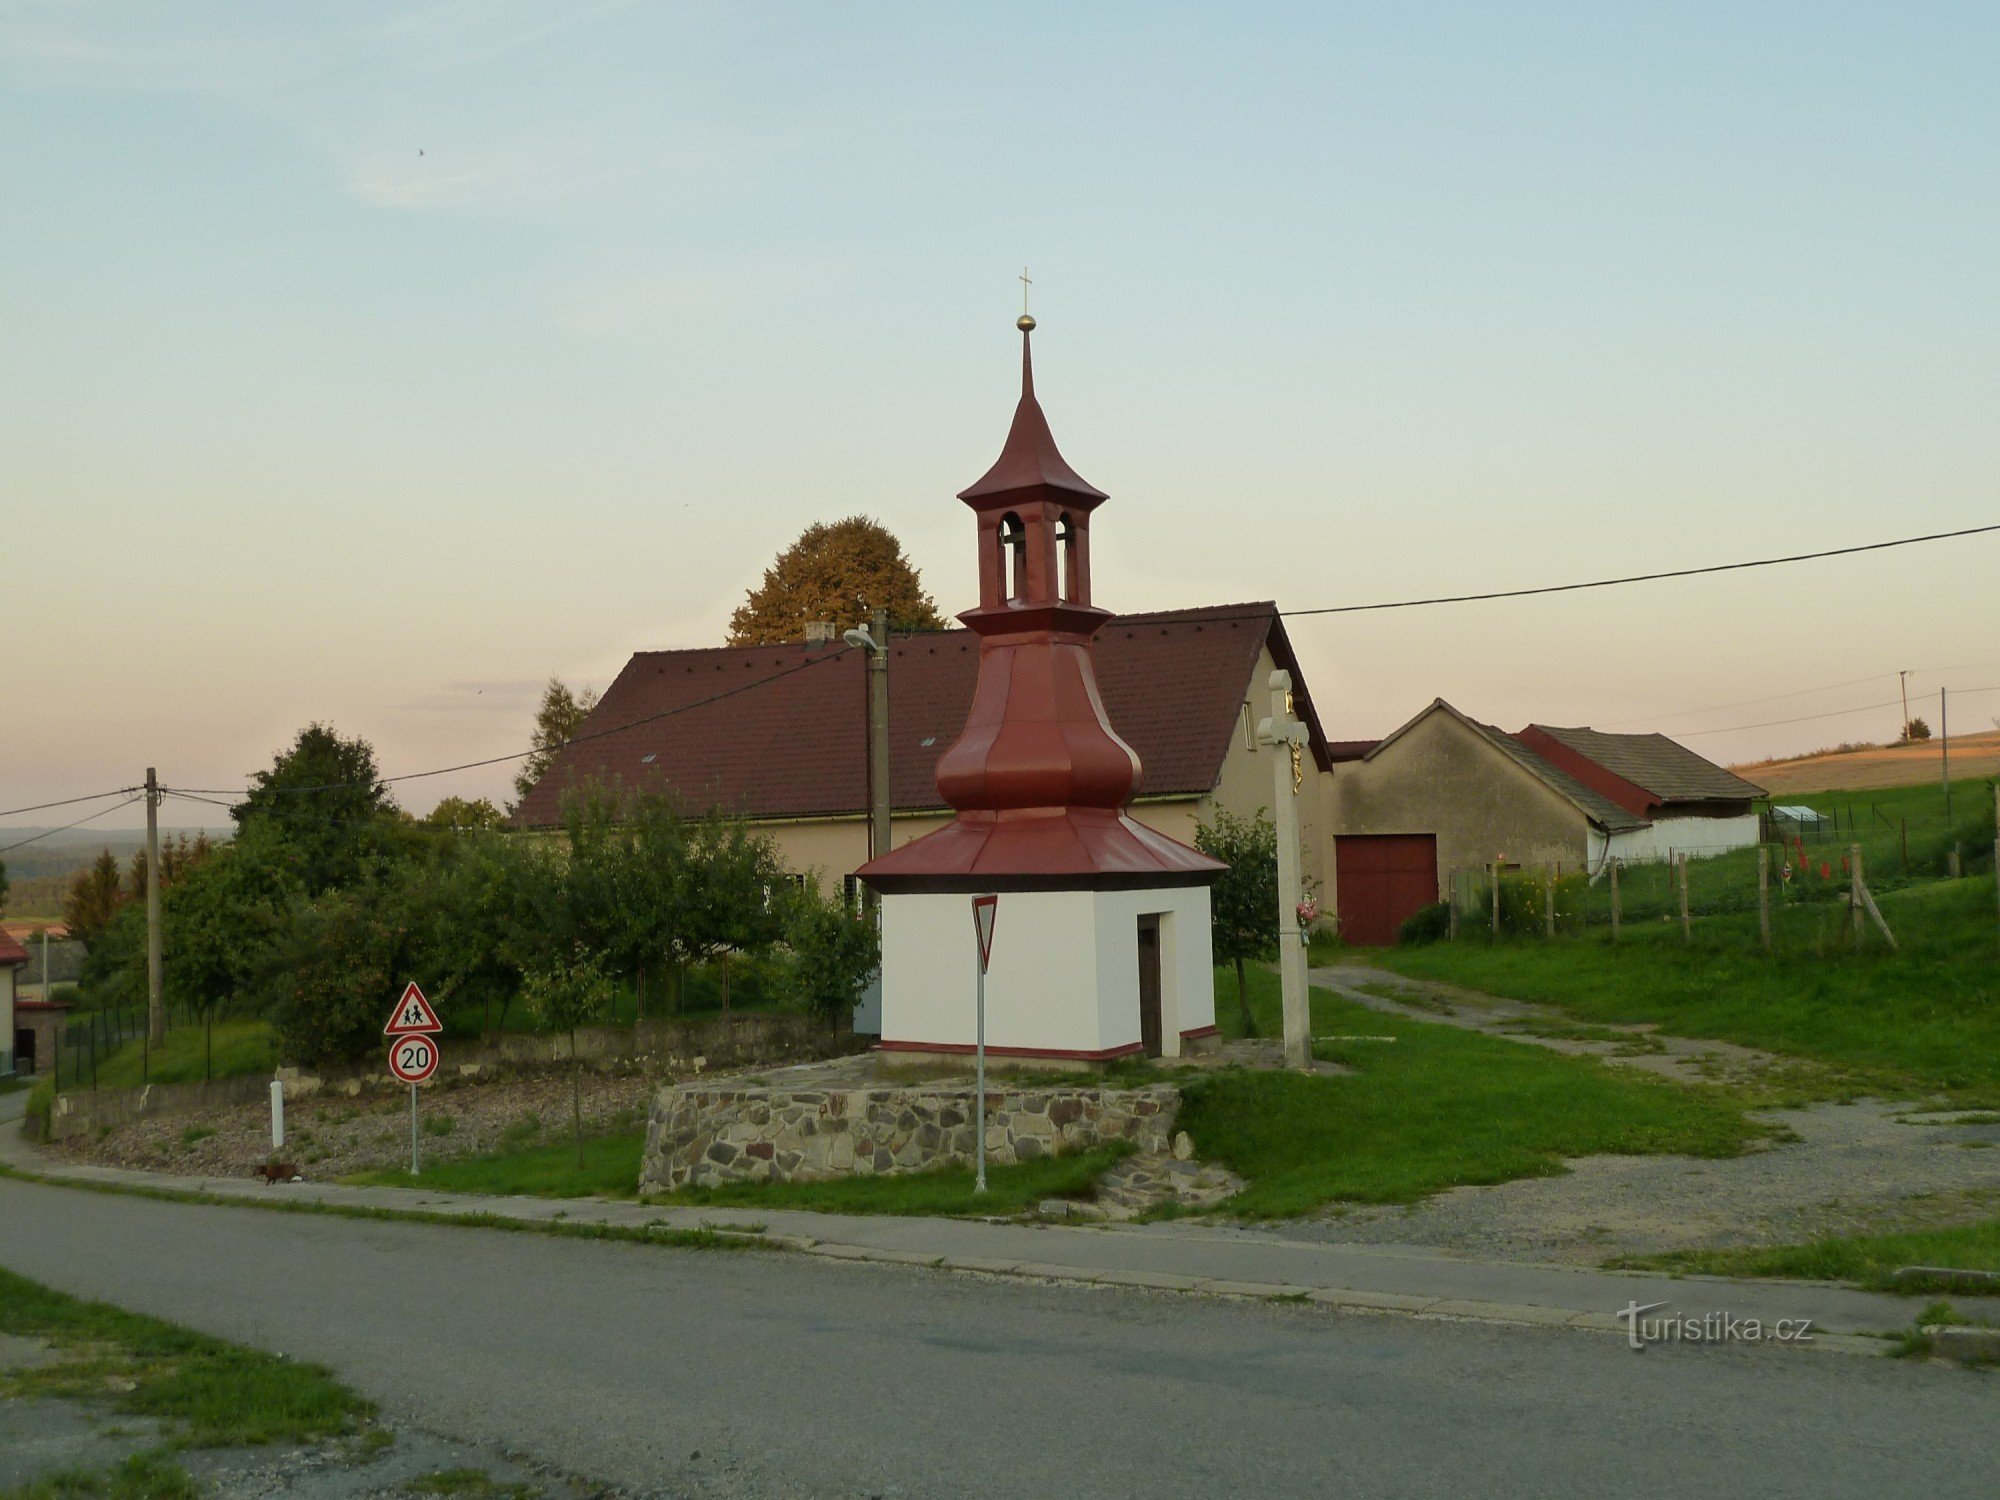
x=1599, y=808
x=794, y=746
x=1670, y=771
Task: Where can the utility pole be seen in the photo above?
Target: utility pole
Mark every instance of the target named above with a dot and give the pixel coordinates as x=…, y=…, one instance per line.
x=1285, y=734
x=156, y=1010
x=875, y=642
x=1903, y=679
x=1944, y=753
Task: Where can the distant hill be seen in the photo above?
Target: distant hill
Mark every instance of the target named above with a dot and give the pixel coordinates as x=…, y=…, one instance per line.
x=1972, y=755
x=40, y=872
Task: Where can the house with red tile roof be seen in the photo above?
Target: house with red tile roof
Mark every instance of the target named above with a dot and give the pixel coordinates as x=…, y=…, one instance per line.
x=779, y=734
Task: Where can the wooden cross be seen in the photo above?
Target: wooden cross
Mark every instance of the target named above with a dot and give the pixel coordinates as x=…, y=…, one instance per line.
x=1025, y=284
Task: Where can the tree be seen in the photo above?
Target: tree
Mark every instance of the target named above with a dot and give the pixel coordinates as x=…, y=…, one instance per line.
x=461, y=815
x=324, y=806
x=834, y=952
x=3, y=885
x=221, y=922
x=843, y=572
x=1243, y=903
x=557, y=721
x=1916, y=729
x=568, y=992
x=728, y=905
x=93, y=898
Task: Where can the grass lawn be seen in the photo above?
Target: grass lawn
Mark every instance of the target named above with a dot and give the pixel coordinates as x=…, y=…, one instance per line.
x=1867, y=1260
x=211, y=1394
x=1438, y=1107
x=611, y=1170
x=1924, y=1020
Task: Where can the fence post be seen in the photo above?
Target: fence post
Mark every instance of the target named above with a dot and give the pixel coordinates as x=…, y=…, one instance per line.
x=1495, y=902
x=1954, y=862
x=1764, y=895
x=1856, y=912
x=1687, y=931
x=1549, y=890
x=1616, y=910
x=1451, y=906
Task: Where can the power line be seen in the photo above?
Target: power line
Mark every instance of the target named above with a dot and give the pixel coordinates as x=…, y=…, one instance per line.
x=67, y=801
x=1832, y=713
x=1605, y=583
x=580, y=739
x=52, y=832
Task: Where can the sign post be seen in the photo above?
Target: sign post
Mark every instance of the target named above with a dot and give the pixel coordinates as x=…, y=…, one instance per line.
x=413, y=1050
x=984, y=908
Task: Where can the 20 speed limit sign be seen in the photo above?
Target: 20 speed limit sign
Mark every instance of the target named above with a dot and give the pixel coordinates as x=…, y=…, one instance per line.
x=413, y=1058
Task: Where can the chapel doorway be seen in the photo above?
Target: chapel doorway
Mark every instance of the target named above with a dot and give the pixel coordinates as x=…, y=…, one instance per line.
x=1149, y=985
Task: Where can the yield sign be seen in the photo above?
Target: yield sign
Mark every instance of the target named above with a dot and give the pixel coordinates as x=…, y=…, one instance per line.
x=983, y=910
x=413, y=1013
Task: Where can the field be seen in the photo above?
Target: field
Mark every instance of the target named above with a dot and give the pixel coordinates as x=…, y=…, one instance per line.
x=1972, y=756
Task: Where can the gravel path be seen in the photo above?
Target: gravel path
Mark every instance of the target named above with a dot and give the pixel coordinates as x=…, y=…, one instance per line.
x=1846, y=1168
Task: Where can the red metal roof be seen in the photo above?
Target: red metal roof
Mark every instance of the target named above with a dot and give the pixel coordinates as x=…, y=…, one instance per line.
x=11, y=952
x=794, y=745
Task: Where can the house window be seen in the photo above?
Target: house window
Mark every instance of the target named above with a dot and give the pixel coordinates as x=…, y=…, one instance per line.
x=1013, y=557
x=850, y=890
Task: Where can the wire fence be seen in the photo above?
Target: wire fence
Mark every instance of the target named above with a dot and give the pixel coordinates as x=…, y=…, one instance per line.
x=87, y=1040
x=1801, y=881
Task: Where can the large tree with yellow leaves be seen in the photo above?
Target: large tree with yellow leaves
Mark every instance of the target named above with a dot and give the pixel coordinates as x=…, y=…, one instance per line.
x=841, y=571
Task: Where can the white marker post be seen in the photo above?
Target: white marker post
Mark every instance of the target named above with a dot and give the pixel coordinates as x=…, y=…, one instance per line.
x=277, y=1115
x=984, y=908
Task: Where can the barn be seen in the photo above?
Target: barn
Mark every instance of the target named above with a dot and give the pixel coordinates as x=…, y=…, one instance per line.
x=1446, y=792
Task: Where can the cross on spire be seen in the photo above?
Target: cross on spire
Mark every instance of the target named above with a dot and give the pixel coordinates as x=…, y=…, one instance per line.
x=1025, y=284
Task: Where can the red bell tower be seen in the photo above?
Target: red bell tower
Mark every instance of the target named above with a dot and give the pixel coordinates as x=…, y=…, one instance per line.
x=1038, y=777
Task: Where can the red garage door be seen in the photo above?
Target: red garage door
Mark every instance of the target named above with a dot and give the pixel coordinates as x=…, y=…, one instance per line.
x=1383, y=878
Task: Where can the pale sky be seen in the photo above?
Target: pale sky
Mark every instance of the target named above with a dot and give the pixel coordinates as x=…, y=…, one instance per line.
x=371, y=363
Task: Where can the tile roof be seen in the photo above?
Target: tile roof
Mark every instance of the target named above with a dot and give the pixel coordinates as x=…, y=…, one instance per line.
x=1599, y=808
x=1670, y=771
x=11, y=952
x=790, y=739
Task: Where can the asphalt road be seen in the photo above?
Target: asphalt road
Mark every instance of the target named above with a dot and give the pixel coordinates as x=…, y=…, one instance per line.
x=713, y=1373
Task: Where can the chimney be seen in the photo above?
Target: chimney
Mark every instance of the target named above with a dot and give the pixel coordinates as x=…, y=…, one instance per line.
x=819, y=632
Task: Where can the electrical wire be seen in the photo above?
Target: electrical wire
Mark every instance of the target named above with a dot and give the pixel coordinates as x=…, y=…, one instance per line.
x=1289, y=614
x=52, y=832
x=68, y=801
x=580, y=739
x=1832, y=713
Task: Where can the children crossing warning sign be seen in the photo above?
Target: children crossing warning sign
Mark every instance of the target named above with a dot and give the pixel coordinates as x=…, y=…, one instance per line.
x=412, y=1015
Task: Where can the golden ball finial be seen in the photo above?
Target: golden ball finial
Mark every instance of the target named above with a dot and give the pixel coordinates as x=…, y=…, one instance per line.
x=1025, y=323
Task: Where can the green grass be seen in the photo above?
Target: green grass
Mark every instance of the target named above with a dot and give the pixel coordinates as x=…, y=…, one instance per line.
x=143, y=1476
x=241, y=1047
x=469, y=1484
x=1442, y=1107
x=1009, y=1190
x=1867, y=1260
x=610, y=1170
x=1925, y=1019
x=209, y=1393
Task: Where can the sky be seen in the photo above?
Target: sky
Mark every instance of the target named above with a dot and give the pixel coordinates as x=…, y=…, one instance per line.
x=371, y=363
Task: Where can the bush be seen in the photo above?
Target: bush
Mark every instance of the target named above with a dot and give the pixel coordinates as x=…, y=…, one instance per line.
x=833, y=955
x=1427, y=924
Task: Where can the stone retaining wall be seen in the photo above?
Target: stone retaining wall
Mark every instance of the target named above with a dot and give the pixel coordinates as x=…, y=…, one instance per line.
x=703, y=1135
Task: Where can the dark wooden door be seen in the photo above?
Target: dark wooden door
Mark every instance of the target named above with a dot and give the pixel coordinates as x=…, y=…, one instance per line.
x=24, y=1049
x=1149, y=984
x=1381, y=879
